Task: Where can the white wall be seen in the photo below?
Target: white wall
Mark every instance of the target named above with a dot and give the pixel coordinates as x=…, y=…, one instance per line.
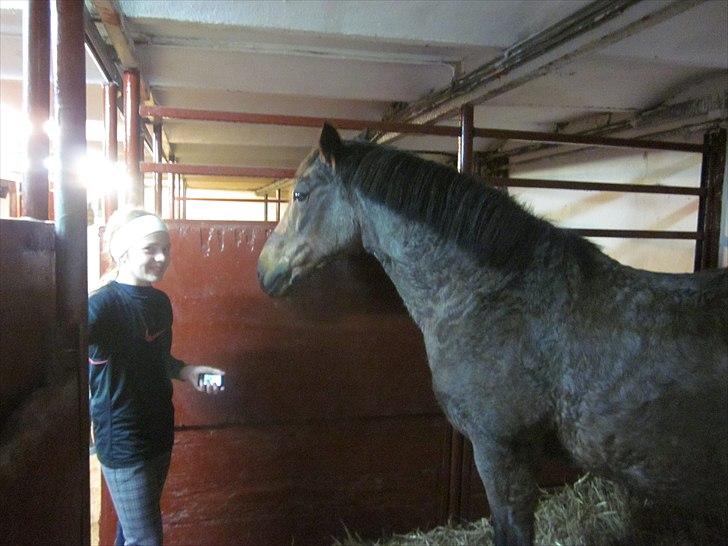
x=607, y=210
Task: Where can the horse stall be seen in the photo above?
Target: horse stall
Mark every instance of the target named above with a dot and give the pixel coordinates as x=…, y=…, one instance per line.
x=329, y=426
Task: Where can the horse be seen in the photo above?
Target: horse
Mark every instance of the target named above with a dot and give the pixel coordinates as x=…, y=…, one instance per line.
x=531, y=332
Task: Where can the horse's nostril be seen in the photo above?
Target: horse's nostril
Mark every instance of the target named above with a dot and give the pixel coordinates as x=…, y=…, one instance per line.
x=274, y=282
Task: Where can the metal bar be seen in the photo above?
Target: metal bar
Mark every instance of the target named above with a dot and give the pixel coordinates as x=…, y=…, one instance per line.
x=111, y=149
x=276, y=185
x=184, y=199
x=278, y=205
x=157, y=153
x=156, y=112
x=637, y=233
x=176, y=198
x=459, y=492
x=135, y=194
x=233, y=200
x=216, y=170
x=588, y=140
x=700, y=107
x=465, y=140
x=709, y=208
x=69, y=90
x=597, y=25
x=99, y=50
x=265, y=207
x=591, y=186
x=173, y=197
x=36, y=99
x=163, y=112
x=172, y=159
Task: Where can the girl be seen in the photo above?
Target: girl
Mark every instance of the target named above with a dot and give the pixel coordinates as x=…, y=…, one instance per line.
x=130, y=367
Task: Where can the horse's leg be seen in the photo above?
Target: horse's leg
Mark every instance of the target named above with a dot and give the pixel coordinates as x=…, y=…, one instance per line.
x=511, y=489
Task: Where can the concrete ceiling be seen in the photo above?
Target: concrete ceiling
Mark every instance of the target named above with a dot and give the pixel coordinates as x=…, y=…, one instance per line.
x=355, y=59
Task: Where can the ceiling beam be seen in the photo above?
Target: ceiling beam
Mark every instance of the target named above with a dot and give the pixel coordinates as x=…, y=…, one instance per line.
x=588, y=30
x=100, y=51
x=667, y=118
x=281, y=184
x=115, y=27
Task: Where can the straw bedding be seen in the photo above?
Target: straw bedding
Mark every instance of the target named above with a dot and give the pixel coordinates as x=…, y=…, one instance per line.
x=590, y=512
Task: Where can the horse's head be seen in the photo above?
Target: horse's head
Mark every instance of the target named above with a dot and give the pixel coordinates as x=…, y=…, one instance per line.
x=319, y=223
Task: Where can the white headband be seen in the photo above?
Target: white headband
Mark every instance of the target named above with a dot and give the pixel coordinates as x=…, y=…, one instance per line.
x=132, y=232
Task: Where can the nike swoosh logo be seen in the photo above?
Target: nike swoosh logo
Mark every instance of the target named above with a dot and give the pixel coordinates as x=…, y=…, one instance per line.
x=149, y=338
x=96, y=362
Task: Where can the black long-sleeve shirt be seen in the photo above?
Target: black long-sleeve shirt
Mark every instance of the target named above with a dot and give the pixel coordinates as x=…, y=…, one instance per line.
x=130, y=366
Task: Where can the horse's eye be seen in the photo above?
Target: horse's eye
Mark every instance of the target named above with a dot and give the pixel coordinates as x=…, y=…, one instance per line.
x=300, y=195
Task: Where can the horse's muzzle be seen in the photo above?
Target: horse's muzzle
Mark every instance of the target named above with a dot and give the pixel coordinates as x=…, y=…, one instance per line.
x=274, y=281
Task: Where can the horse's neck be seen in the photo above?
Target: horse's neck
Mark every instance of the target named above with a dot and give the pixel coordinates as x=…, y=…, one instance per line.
x=430, y=274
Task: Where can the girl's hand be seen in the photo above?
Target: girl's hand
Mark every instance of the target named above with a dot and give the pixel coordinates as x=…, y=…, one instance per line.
x=191, y=375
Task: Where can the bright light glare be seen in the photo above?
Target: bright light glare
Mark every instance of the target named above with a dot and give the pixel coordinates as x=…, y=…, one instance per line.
x=101, y=176
x=17, y=5
x=14, y=131
x=50, y=126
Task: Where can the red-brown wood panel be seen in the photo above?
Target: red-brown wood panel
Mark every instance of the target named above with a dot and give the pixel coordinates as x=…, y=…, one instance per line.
x=40, y=472
x=302, y=483
x=27, y=281
x=329, y=417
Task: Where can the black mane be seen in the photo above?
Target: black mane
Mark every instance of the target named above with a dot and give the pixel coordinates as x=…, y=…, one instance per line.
x=481, y=220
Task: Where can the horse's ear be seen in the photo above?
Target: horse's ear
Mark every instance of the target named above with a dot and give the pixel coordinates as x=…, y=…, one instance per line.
x=330, y=145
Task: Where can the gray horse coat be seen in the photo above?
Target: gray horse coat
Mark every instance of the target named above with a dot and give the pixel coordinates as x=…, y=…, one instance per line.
x=530, y=330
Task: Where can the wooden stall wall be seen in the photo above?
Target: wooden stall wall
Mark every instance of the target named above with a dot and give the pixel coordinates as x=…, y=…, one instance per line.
x=40, y=475
x=328, y=419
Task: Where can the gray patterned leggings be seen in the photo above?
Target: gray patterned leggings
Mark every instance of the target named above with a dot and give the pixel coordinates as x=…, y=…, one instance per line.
x=135, y=491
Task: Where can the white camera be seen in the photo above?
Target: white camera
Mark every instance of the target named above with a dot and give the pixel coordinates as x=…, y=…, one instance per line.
x=214, y=379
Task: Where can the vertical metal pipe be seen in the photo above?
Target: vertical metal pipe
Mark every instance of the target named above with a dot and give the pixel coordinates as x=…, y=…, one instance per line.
x=465, y=140
x=184, y=199
x=278, y=205
x=265, y=207
x=111, y=149
x=132, y=134
x=461, y=452
x=69, y=91
x=173, y=196
x=157, y=151
x=172, y=182
x=36, y=99
x=709, y=207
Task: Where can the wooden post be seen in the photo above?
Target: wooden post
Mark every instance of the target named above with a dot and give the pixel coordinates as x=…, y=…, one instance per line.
x=36, y=99
x=69, y=89
x=709, y=208
x=132, y=133
x=157, y=151
x=111, y=149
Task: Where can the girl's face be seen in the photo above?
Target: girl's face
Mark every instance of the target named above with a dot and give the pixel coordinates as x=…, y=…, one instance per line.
x=146, y=261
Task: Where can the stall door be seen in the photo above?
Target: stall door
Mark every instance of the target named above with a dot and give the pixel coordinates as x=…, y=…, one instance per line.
x=329, y=421
x=43, y=451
